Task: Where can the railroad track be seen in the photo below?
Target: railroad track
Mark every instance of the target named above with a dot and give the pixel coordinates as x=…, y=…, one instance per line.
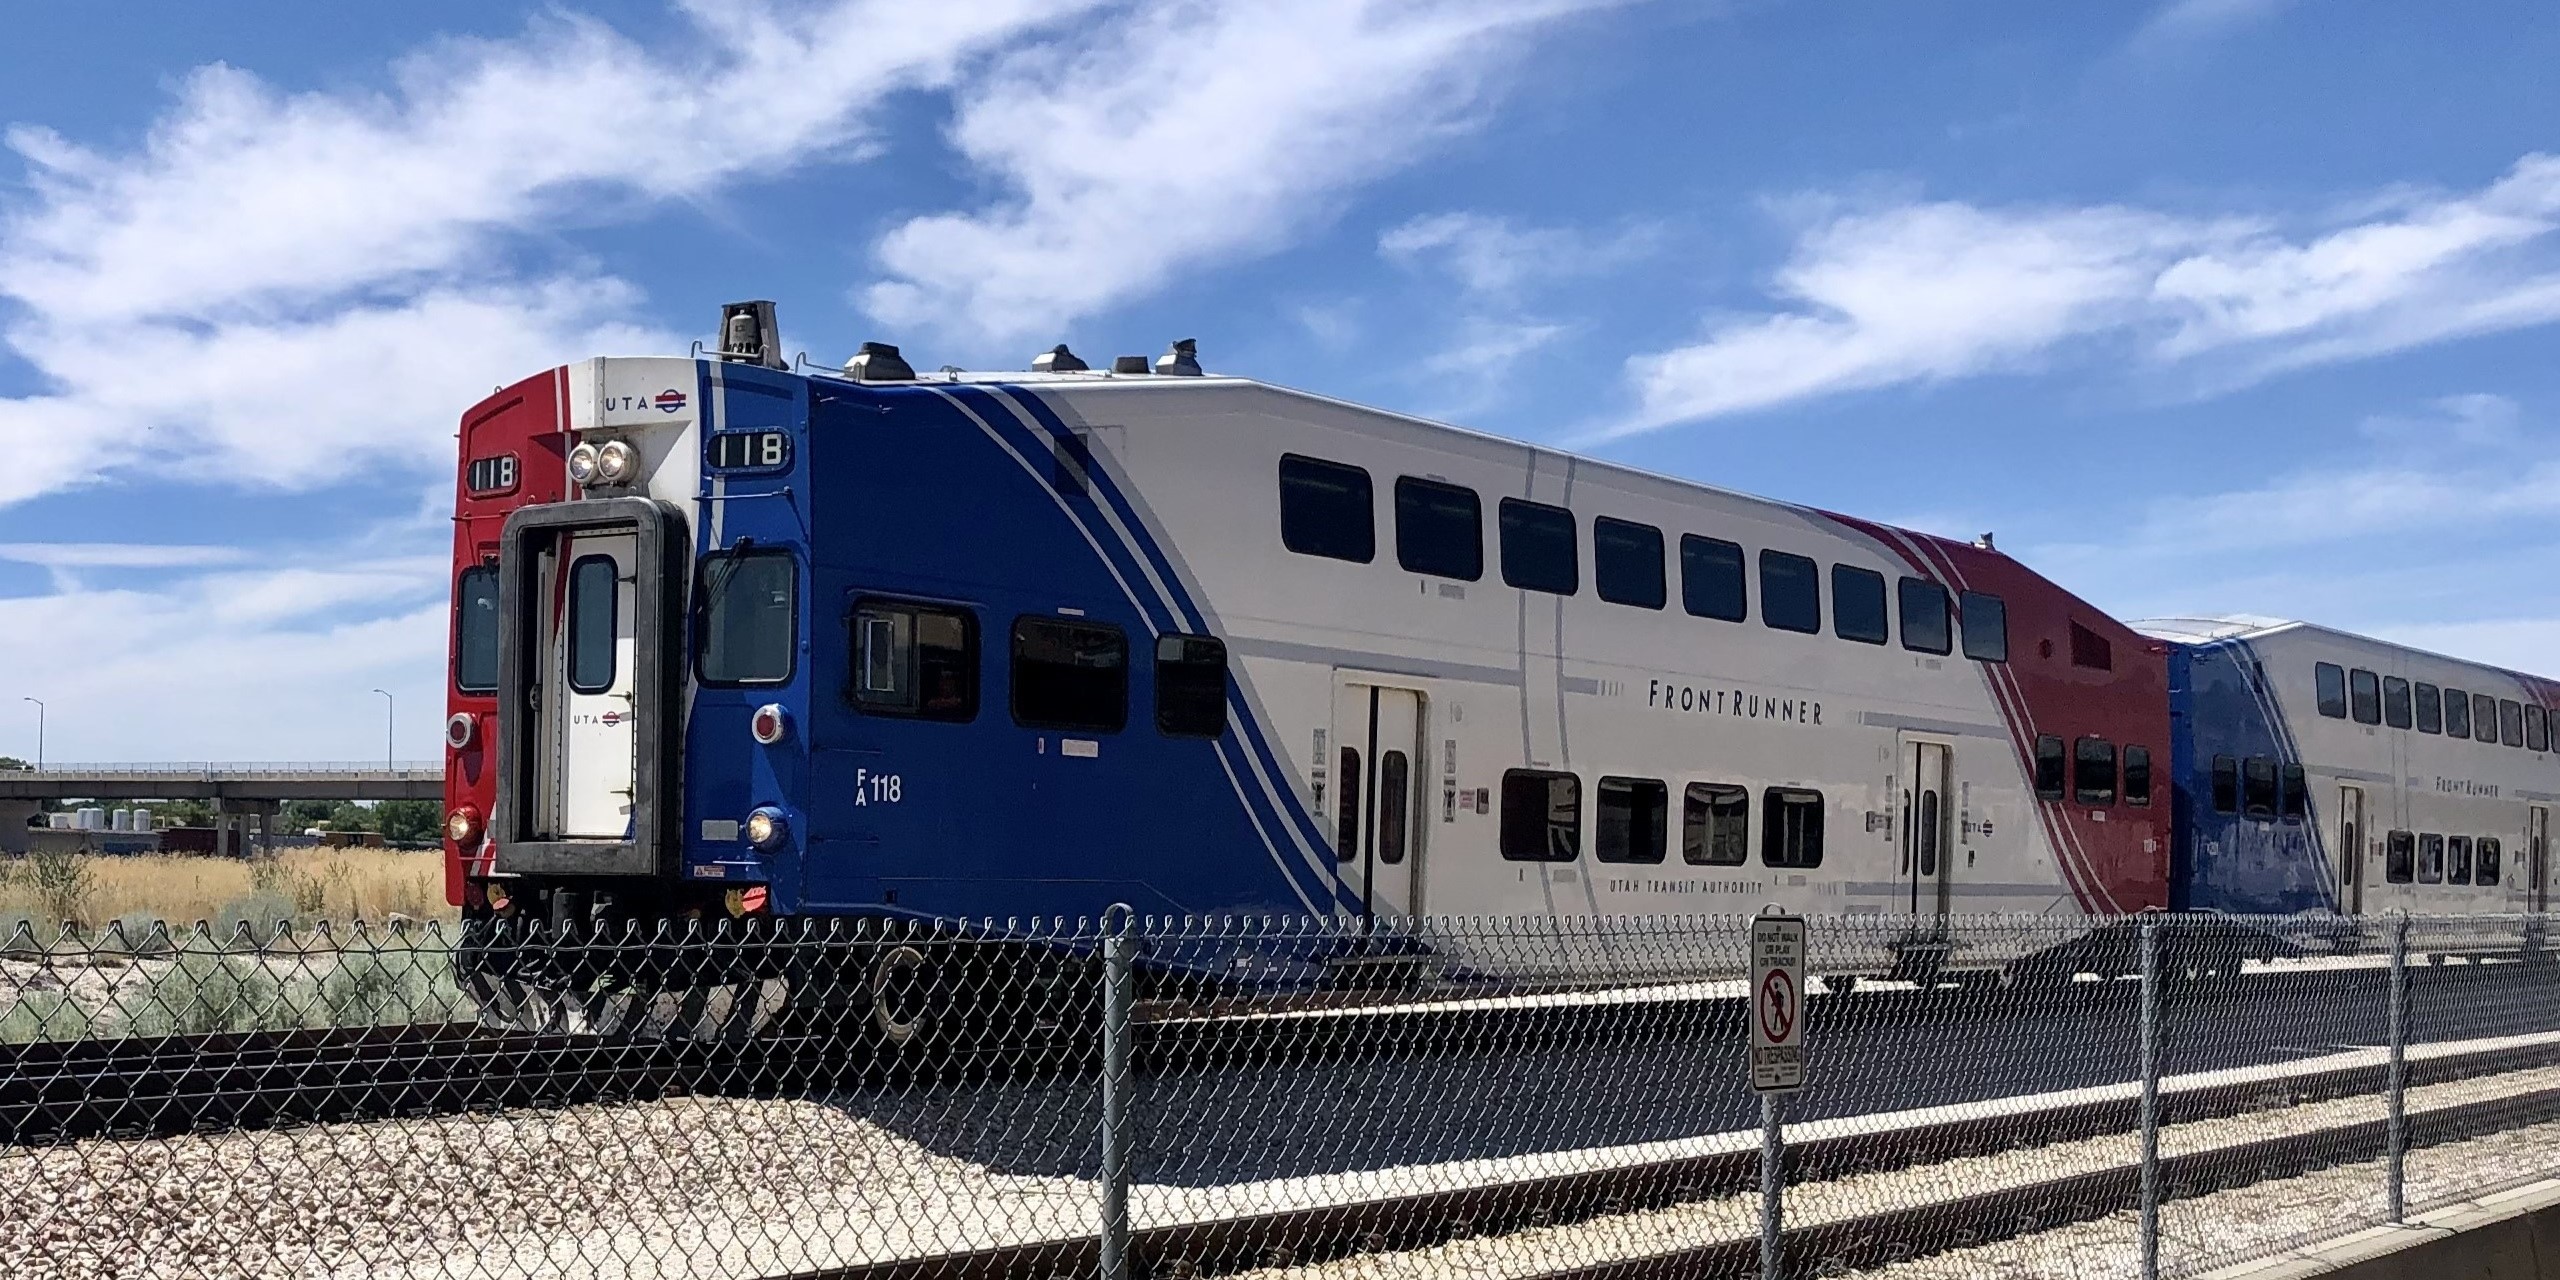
x=1314, y=1234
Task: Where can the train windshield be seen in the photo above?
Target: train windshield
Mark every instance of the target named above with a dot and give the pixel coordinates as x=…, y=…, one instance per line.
x=748, y=621
x=475, y=638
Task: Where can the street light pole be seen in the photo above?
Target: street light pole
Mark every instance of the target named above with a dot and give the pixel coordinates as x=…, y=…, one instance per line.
x=390, y=710
x=39, y=731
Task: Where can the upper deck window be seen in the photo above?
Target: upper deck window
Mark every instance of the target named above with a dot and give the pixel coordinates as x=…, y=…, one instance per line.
x=2511, y=722
x=2364, y=696
x=2537, y=729
x=1857, y=605
x=2484, y=718
x=2329, y=686
x=2430, y=700
x=1539, y=551
x=2395, y=702
x=915, y=660
x=1626, y=562
x=1070, y=675
x=1711, y=579
x=1327, y=509
x=1439, y=529
x=1790, y=592
x=2457, y=714
x=1926, y=626
x=475, y=630
x=1984, y=619
x=746, y=627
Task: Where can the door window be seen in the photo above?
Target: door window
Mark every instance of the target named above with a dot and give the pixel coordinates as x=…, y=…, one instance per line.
x=1928, y=833
x=1346, y=821
x=1395, y=794
x=593, y=583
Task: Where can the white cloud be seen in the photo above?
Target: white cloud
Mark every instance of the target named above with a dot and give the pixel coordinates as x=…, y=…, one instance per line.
x=1496, y=257
x=2189, y=20
x=276, y=286
x=1926, y=292
x=1189, y=132
x=118, y=555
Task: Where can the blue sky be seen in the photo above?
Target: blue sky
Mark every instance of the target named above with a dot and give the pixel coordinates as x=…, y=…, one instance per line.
x=2203, y=305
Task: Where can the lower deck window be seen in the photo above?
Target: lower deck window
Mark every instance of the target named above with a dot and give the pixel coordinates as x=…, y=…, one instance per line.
x=1541, y=816
x=2457, y=859
x=1715, y=825
x=2296, y=803
x=747, y=620
x=2093, y=771
x=2258, y=791
x=1791, y=827
x=1070, y=675
x=1191, y=686
x=2226, y=785
x=1634, y=815
x=2049, y=767
x=2137, y=776
x=915, y=660
x=2430, y=859
x=2399, y=857
x=2491, y=856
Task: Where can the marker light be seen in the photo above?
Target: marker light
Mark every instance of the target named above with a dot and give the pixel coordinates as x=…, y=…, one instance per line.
x=766, y=828
x=582, y=463
x=462, y=826
x=771, y=724
x=615, y=462
x=458, y=730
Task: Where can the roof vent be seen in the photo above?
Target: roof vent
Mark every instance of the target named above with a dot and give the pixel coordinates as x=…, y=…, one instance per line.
x=1058, y=359
x=1984, y=542
x=1128, y=364
x=748, y=336
x=1183, y=359
x=879, y=362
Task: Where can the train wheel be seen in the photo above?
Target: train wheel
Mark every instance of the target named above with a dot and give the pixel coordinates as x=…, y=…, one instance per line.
x=902, y=997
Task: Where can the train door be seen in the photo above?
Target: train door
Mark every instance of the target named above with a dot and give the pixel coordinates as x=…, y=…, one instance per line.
x=2537, y=852
x=590, y=714
x=2351, y=850
x=1378, y=782
x=1926, y=816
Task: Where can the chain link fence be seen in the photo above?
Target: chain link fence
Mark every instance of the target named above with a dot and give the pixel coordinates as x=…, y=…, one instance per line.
x=1142, y=1097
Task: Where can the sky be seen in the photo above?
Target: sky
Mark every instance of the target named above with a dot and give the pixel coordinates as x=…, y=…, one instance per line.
x=2202, y=306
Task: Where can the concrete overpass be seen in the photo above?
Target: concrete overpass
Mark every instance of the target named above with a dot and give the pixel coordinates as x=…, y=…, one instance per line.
x=239, y=792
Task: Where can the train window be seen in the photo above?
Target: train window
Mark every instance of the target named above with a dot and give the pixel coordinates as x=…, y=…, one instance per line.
x=2484, y=718
x=1790, y=592
x=2457, y=714
x=1541, y=816
x=2364, y=696
x=2296, y=800
x=2430, y=859
x=1070, y=675
x=2511, y=722
x=1538, y=551
x=2093, y=771
x=593, y=584
x=1925, y=627
x=2457, y=859
x=1626, y=562
x=2395, y=702
x=1346, y=814
x=914, y=660
x=1191, y=686
x=475, y=630
x=1715, y=825
x=2491, y=856
x=747, y=618
x=1327, y=509
x=1634, y=816
x=2430, y=700
x=1791, y=827
x=2137, y=776
x=2049, y=769
x=1984, y=619
x=1711, y=579
x=1439, y=529
x=2399, y=857
x=2329, y=689
x=2537, y=729
x=2226, y=785
x=2258, y=791
x=1395, y=799
x=1857, y=605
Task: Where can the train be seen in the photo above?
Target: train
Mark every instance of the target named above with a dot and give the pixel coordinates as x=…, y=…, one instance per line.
x=740, y=638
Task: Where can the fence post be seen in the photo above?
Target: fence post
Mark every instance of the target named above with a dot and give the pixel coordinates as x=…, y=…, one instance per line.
x=2396, y=1140
x=1773, y=1156
x=2150, y=1100
x=1119, y=949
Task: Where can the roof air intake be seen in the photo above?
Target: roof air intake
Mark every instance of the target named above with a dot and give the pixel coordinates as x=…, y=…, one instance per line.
x=1128, y=364
x=1058, y=359
x=879, y=362
x=1183, y=359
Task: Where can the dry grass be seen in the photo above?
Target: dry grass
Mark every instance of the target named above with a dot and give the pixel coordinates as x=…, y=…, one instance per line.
x=326, y=883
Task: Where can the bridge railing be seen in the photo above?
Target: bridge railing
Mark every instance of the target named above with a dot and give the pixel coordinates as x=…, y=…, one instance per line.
x=229, y=769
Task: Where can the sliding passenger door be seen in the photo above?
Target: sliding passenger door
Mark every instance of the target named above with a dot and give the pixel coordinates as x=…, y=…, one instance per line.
x=2537, y=853
x=1926, y=819
x=2351, y=850
x=1377, y=780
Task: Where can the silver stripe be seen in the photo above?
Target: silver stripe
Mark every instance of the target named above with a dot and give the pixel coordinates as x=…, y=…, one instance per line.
x=1367, y=660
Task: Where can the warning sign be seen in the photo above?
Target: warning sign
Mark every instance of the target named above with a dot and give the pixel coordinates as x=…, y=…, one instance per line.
x=1777, y=1003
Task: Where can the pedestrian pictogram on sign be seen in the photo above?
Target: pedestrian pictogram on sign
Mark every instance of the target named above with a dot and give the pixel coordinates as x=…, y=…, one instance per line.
x=1777, y=1003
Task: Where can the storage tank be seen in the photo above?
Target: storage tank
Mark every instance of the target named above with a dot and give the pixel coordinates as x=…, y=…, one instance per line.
x=59, y=821
x=92, y=818
x=141, y=818
x=120, y=820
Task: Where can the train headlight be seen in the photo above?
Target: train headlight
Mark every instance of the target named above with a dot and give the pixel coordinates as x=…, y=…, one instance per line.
x=616, y=463
x=771, y=724
x=458, y=729
x=767, y=828
x=462, y=826
x=582, y=463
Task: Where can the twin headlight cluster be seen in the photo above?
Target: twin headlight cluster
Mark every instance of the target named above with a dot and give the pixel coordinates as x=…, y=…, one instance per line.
x=611, y=463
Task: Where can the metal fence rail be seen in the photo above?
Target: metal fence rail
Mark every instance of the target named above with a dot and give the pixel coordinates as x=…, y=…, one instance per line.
x=1142, y=1097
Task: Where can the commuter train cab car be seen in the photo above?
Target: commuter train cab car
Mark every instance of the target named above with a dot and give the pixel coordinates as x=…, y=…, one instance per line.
x=975, y=647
